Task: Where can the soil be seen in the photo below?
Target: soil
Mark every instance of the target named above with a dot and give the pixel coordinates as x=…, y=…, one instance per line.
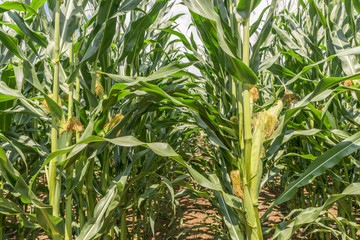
x=197, y=219
x=198, y=212
x=195, y=213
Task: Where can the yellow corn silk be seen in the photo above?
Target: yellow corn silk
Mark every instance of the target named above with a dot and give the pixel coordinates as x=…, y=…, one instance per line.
x=236, y=184
x=254, y=94
x=111, y=124
x=348, y=83
x=99, y=90
x=73, y=125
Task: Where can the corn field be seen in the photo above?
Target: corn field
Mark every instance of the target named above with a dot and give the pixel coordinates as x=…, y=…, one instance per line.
x=109, y=114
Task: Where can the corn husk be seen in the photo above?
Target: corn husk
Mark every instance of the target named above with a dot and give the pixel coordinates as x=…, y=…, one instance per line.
x=264, y=125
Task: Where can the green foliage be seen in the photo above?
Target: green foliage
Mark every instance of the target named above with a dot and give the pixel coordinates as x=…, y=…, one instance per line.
x=133, y=124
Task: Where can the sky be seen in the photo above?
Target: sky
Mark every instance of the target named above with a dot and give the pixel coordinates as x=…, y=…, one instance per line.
x=185, y=20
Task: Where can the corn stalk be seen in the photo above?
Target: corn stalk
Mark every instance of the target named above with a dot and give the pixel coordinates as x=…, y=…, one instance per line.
x=54, y=177
x=130, y=80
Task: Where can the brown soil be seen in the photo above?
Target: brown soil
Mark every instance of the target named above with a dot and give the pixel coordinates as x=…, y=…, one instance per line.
x=266, y=197
x=198, y=212
x=195, y=220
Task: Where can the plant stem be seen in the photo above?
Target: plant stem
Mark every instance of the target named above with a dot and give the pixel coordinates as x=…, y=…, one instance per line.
x=70, y=169
x=80, y=187
x=90, y=190
x=246, y=101
x=77, y=98
x=105, y=171
x=240, y=116
x=233, y=81
x=351, y=209
x=1, y=216
x=123, y=227
x=256, y=232
x=81, y=207
x=54, y=180
x=89, y=176
x=68, y=209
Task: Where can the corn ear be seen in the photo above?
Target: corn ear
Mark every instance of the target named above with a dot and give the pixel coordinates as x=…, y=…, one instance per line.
x=277, y=108
x=256, y=166
x=264, y=126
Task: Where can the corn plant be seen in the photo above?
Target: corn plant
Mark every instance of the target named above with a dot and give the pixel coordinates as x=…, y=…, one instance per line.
x=70, y=164
x=229, y=112
x=226, y=112
x=100, y=117
x=324, y=56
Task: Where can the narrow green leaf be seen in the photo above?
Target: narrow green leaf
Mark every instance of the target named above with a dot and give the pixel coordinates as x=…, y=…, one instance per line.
x=106, y=204
x=37, y=4
x=320, y=14
x=7, y=93
x=234, y=65
x=322, y=86
x=12, y=5
x=356, y=5
x=8, y=207
x=163, y=72
x=129, y=5
x=138, y=27
x=310, y=215
x=161, y=149
x=36, y=37
x=54, y=107
x=43, y=211
x=10, y=42
x=319, y=166
x=245, y=7
x=229, y=217
x=242, y=72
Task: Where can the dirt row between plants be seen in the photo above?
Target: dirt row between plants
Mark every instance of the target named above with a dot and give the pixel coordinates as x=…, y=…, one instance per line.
x=198, y=219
